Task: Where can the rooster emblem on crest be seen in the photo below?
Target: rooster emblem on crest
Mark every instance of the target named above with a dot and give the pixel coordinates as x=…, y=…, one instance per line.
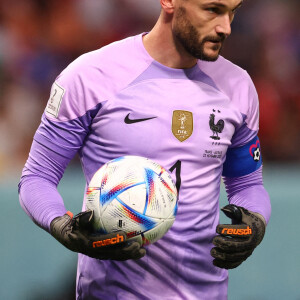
x=216, y=128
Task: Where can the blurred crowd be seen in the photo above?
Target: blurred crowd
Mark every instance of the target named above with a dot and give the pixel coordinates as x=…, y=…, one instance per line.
x=39, y=38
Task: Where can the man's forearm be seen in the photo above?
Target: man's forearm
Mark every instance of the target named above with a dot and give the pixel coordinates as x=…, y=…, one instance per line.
x=38, y=185
x=248, y=192
x=40, y=200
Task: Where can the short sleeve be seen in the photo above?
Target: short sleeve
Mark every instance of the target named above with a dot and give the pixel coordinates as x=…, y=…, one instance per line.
x=72, y=93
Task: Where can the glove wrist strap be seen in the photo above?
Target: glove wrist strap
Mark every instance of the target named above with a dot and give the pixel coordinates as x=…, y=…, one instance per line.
x=69, y=214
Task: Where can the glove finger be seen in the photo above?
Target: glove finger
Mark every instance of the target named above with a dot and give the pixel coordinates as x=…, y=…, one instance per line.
x=233, y=212
x=241, y=231
x=85, y=217
x=133, y=251
x=83, y=220
x=132, y=255
x=232, y=244
x=232, y=257
x=226, y=264
x=141, y=253
x=131, y=246
x=102, y=253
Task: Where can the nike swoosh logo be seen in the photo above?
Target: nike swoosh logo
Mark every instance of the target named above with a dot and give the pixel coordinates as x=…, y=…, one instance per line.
x=131, y=121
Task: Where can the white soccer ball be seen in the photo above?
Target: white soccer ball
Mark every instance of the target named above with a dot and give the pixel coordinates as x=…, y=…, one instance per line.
x=135, y=195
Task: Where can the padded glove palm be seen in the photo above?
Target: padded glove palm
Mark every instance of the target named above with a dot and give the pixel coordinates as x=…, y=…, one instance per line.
x=236, y=242
x=76, y=234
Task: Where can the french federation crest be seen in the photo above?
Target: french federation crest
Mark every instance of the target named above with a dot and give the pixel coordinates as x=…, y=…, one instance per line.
x=216, y=128
x=182, y=124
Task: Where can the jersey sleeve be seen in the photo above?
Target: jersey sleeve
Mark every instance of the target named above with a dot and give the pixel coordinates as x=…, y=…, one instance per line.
x=244, y=154
x=63, y=129
x=38, y=193
x=249, y=108
x=248, y=191
x=242, y=169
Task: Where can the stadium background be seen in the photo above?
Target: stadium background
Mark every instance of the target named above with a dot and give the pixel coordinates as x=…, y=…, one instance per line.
x=39, y=38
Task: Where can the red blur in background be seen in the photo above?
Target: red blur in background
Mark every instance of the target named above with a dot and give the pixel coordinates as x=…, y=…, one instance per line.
x=39, y=38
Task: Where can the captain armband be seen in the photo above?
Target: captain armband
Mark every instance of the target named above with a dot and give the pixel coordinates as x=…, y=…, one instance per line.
x=243, y=160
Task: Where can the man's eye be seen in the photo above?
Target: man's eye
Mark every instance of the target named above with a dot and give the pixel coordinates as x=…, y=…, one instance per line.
x=212, y=10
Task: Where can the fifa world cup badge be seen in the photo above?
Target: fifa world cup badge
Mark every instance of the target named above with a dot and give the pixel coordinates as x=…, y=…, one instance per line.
x=182, y=124
x=54, y=102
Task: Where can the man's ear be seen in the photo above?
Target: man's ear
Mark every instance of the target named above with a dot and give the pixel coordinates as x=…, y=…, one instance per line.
x=167, y=5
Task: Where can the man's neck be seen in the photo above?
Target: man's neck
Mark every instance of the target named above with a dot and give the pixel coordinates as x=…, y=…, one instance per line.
x=161, y=46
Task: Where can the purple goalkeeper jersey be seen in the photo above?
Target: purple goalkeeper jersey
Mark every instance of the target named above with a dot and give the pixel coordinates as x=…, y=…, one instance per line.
x=118, y=101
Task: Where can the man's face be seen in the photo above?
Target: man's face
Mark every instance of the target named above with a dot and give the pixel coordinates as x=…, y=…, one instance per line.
x=201, y=26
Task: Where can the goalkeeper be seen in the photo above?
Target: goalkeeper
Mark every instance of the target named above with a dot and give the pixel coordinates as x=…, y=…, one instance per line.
x=170, y=96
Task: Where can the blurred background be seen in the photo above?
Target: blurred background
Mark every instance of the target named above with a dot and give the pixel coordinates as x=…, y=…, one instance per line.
x=39, y=38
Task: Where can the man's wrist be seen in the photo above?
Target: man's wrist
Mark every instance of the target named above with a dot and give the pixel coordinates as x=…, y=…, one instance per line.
x=53, y=216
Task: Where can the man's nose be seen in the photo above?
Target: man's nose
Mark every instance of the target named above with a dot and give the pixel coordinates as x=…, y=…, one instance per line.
x=224, y=25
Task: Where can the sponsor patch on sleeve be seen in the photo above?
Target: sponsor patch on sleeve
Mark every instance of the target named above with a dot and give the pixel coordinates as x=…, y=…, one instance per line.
x=54, y=102
x=243, y=160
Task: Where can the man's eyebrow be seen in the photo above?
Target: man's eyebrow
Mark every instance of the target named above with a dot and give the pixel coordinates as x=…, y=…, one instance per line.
x=239, y=5
x=223, y=5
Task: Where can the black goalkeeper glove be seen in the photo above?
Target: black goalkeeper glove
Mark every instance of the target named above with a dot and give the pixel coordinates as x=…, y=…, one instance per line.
x=76, y=234
x=236, y=242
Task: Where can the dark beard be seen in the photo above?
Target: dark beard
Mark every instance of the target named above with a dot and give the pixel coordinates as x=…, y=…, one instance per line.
x=187, y=36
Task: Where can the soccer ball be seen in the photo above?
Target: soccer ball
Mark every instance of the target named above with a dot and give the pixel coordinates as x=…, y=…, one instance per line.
x=135, y=195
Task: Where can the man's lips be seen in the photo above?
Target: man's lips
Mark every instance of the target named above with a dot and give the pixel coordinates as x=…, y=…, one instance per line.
x=215, y=41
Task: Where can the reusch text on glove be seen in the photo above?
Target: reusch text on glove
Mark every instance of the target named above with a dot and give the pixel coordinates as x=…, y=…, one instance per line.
x=115, y=240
